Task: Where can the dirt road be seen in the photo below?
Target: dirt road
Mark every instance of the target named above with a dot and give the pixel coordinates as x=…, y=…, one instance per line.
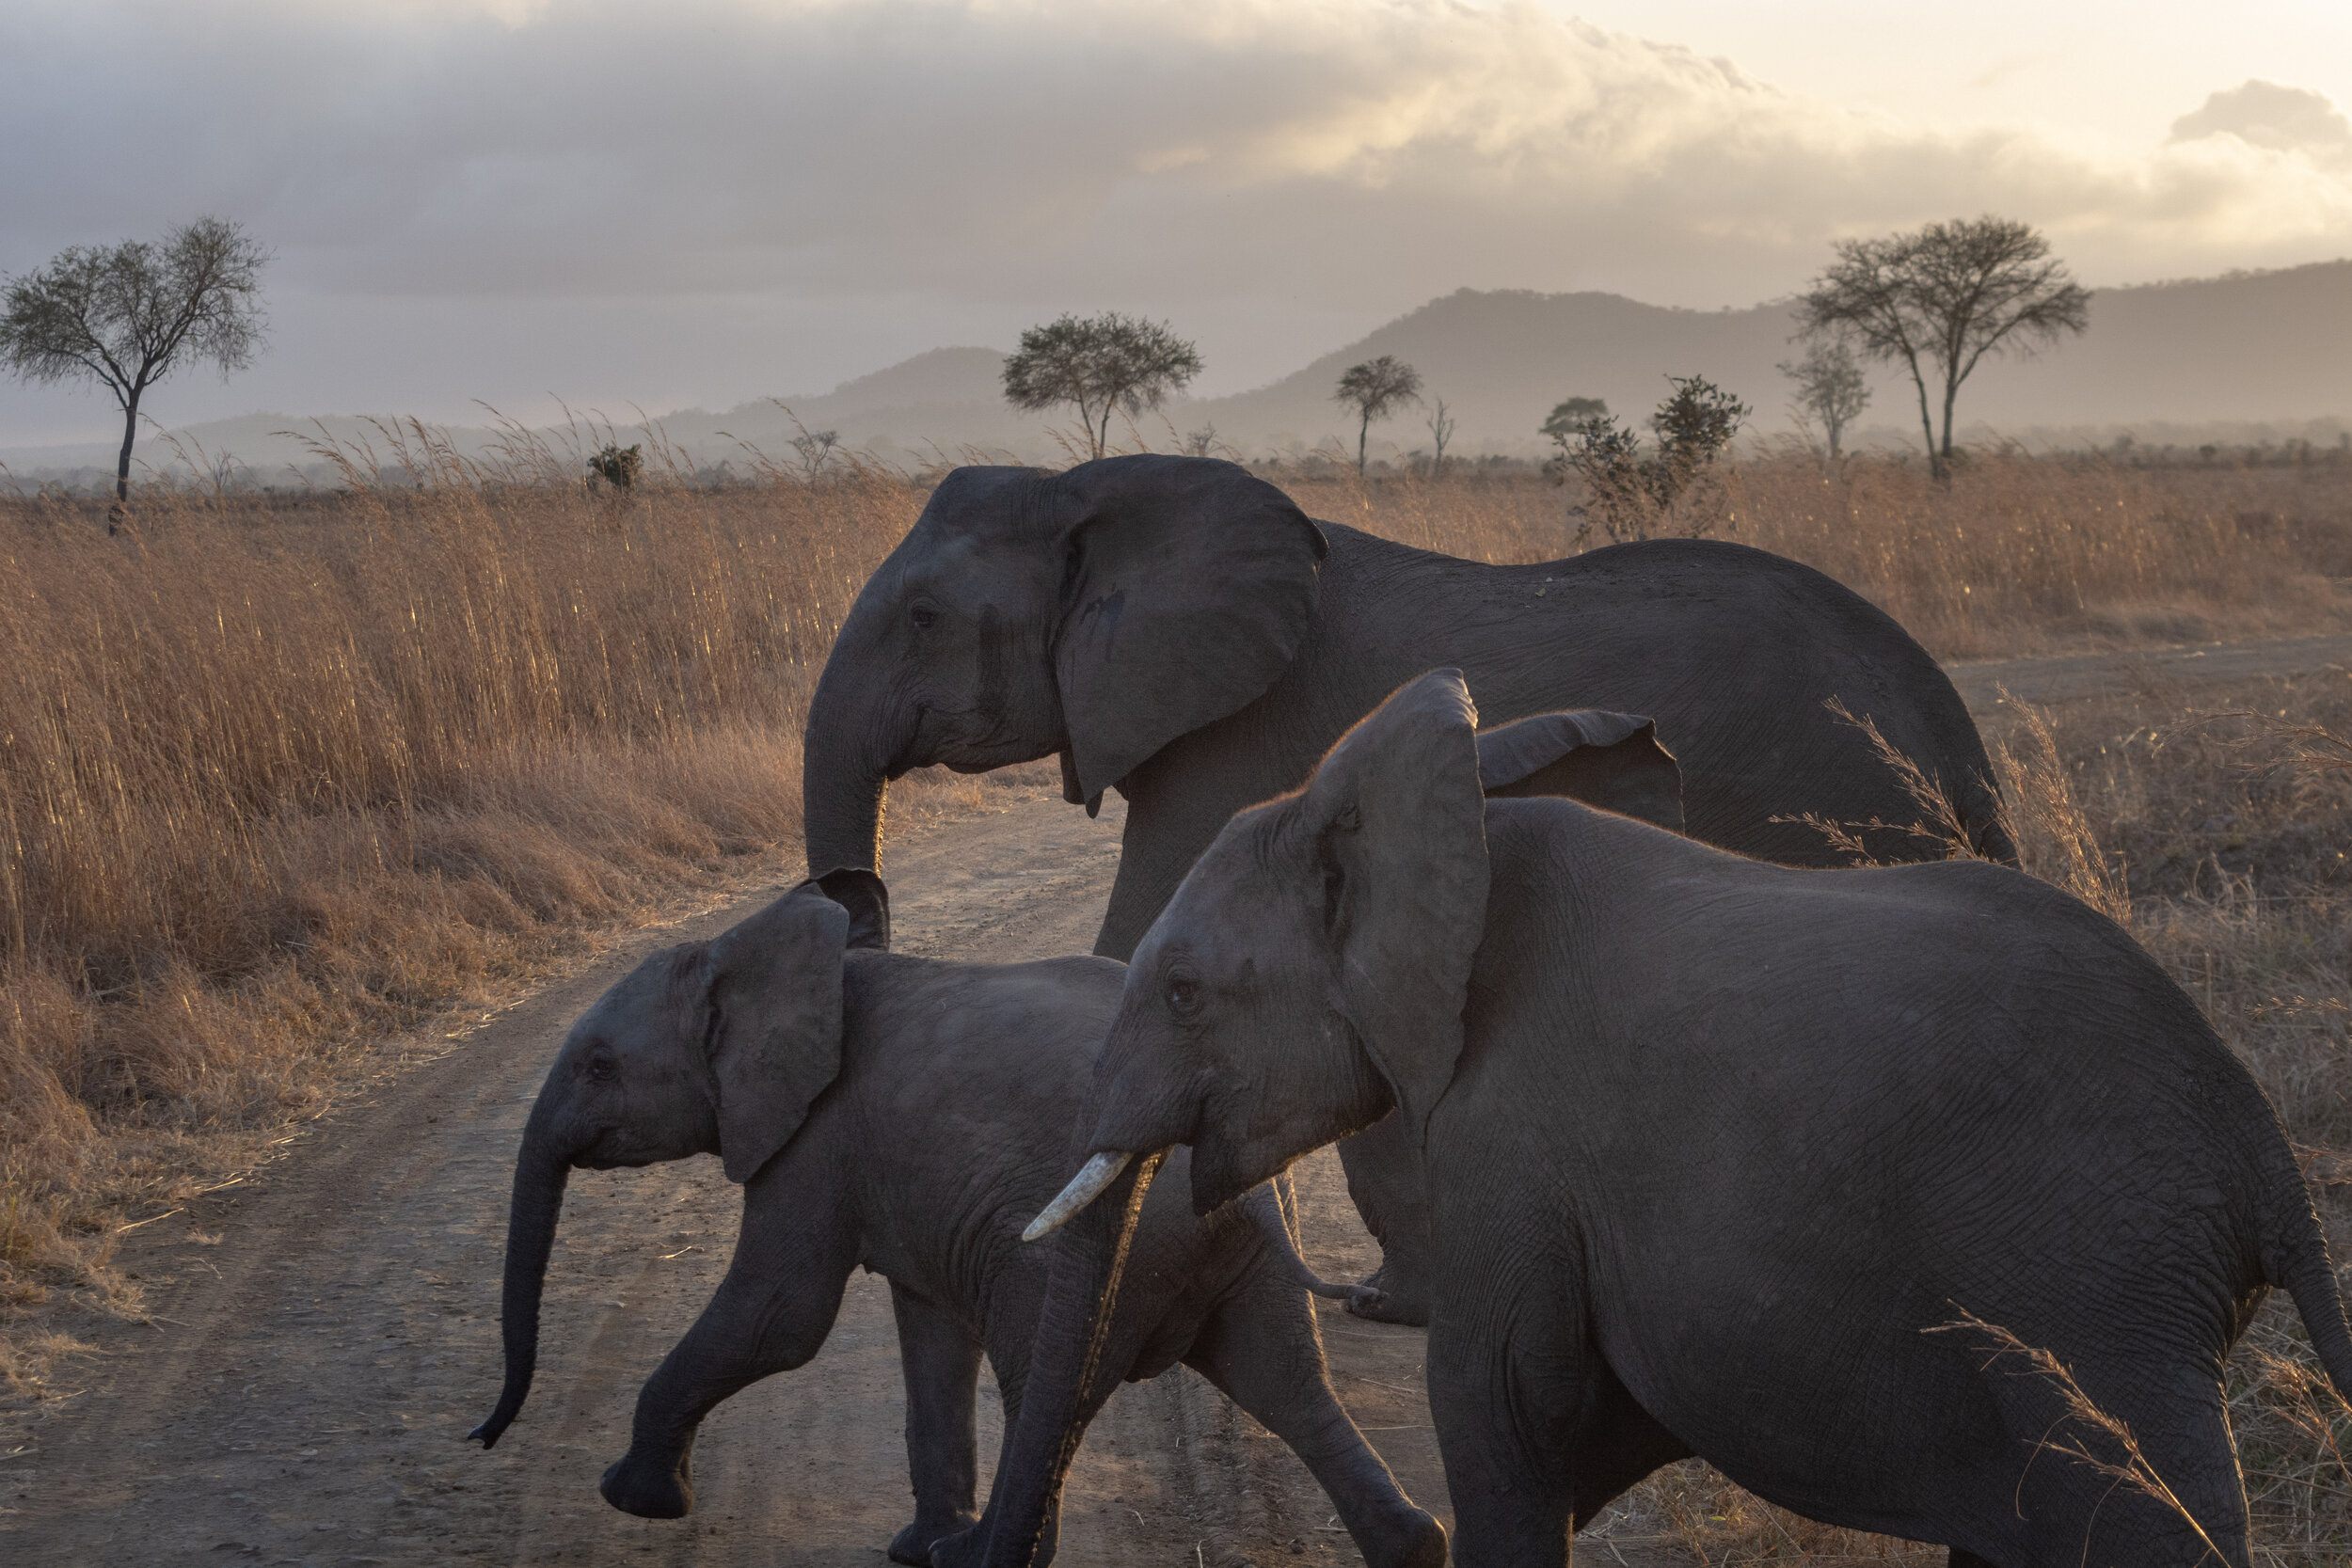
x=326, y=1333
x=302, y=1391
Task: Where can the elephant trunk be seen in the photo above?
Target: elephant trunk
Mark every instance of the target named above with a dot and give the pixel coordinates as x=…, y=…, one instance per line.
x=540, y=1172
x=850, y=754
x=1065, y=1368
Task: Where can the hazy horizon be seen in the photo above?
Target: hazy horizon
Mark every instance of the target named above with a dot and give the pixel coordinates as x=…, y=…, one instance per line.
x=511, y=200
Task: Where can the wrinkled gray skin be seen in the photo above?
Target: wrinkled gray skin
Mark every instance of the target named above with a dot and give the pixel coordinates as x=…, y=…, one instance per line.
x=1178, y=629
x=910, y=1115
x=1718, y=1148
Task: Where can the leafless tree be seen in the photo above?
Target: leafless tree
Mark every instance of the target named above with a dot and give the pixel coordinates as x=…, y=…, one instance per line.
x=1440, y=432
x=1100, y=366
x=815, y=450
x=1375, y=388
x=128, y=315
x=1830, y=386
x=1939, y=300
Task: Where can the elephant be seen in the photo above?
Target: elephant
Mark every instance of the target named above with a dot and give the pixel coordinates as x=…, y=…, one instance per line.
x=1176, y=628
x=1885, y=1190
x=905, y=1115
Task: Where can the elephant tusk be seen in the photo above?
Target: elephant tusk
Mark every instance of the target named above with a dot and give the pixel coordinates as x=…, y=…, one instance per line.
x=1084, y=1187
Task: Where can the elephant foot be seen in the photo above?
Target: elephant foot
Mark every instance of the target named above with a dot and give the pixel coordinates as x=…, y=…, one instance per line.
x=649, y=1487
x=1389, y=1295
x=913, y=1544
x=1419, y=1544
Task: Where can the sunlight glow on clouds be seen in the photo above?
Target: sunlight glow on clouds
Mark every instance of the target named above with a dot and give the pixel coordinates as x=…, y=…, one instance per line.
x=984, y=162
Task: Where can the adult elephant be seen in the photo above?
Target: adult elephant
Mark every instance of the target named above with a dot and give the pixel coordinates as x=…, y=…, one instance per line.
x=1917, y=1199
x=1178, y=629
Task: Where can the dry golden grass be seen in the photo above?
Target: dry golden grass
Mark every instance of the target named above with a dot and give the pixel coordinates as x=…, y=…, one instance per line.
x=2018, y=555
x=285, y=778
x=281, y=777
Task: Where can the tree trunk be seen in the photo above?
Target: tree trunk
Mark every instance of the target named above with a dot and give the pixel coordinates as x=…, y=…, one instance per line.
x=1926, y=421
x=122, y=463
x=1363, y=430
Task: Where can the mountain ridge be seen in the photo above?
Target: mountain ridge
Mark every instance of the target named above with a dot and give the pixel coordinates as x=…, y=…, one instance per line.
x=2243, y=351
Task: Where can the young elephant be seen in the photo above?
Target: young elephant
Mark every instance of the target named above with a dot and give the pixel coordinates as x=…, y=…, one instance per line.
x=909, y=1115
x=1783, y=1167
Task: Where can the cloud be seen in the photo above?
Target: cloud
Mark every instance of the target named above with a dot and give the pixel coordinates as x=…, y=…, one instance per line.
x=979, y=161
x=2266, y=115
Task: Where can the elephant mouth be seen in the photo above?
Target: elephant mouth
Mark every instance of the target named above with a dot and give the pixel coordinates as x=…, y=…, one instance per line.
x=608, y=1150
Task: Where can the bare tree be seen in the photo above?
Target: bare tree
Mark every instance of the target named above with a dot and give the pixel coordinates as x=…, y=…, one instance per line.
x=1440, y=432
x=815, y=450
x=1938, y=301
x=1375, y=388
x=1830, y=386
x=128, y=315
x=1100, y=366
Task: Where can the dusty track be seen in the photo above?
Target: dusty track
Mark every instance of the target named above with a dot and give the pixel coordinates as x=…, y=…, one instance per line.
x=301, y=1394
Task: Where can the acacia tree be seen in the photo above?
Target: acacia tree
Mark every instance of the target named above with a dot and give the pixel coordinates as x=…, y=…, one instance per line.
x=1100, y=366
x=128, y=315
x=1373, y=389
x=1939, y=300
x=1830, y=386
x=1569, y=419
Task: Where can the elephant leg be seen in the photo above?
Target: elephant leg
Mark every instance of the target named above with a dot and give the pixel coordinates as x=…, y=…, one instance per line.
x=1617, y=1442
x=763, y=1319
x=1261, y=1347
x=1386, y=1179
x=941, y=1363
x=1508, y=1412
x=2063, y=1508
x=1960, y=1559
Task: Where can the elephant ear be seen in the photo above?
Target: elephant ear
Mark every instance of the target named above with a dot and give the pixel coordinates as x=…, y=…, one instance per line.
x=867, y=899
x=1400, y=826
x=1188, y=589
x=774, y=990
x=1611, y=760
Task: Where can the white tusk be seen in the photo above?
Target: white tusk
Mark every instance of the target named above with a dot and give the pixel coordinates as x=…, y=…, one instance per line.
x=1084, y=1188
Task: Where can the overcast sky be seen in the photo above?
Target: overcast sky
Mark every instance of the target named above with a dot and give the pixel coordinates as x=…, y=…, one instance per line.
x=703, y=201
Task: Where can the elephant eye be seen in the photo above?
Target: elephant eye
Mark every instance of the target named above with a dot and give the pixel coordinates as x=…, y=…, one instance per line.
x=1183, y=995
x=600, y=1069
x=922, y=616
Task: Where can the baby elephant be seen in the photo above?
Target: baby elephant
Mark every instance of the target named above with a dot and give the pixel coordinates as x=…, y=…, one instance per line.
x=1798, y=1170
x=909, y=1115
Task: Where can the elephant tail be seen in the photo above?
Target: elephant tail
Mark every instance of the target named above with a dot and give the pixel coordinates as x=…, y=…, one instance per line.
x=2295, y=1259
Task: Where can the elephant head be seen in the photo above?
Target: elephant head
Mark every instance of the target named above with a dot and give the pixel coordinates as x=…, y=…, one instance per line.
x=1098, y=613
x=1310, y=973
x=709, y=1048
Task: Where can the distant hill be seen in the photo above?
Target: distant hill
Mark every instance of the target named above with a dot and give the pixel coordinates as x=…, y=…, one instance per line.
x=2246, y=357
x=2265, y=348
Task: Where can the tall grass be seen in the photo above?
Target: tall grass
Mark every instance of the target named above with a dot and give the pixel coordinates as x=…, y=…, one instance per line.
x=283, y=776
x=275, y=778
x=2018, y=554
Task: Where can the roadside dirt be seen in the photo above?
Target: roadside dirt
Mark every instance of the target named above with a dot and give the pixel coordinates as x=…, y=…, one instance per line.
x=324, y=1334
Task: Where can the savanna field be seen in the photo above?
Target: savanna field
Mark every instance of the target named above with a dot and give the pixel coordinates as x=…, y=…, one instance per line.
x=294, y=787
